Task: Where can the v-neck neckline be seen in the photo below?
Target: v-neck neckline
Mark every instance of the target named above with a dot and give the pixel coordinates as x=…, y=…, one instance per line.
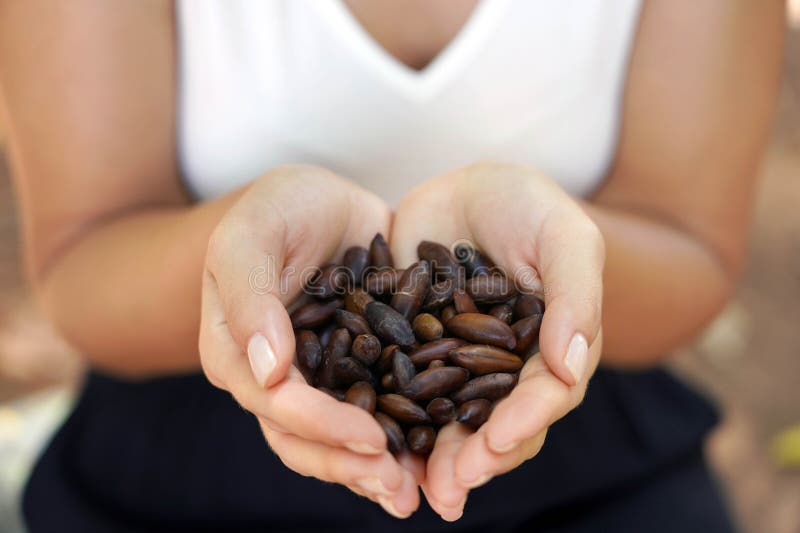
x=417, y=84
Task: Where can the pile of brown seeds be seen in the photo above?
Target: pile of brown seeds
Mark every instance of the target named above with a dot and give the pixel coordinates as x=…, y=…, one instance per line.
x=441, y=341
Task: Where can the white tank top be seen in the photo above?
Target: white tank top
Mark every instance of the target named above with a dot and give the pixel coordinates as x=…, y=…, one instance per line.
x=265, y=83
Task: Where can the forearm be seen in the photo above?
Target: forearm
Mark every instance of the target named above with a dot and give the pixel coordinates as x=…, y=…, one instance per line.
x=127, y=293
x=661, y=286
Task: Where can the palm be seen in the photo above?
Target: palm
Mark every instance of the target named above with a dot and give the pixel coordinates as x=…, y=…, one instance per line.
x=516, y=217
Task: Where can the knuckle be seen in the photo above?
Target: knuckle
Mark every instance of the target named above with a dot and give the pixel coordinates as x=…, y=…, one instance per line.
x=217, y=244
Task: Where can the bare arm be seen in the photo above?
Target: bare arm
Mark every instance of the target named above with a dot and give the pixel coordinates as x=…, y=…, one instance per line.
x=675, y=210
x=113, y=247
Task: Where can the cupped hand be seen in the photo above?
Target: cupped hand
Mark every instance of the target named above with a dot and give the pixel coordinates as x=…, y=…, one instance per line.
x=288, y=220
x=545, y=242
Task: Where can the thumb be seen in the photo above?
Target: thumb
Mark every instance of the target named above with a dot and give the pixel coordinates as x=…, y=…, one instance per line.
x=248, y=279
x=570, y=259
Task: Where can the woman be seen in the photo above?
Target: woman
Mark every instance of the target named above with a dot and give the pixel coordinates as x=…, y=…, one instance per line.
x=152, y=144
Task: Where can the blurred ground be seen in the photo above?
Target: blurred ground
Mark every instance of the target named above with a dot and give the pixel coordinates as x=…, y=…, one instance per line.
x=748, y=359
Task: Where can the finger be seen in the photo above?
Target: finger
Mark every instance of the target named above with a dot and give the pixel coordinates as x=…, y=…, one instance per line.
x=538, y=400
x=414, y=464
x=246, y=277
x=426, y=213
x=379, y=477
x=476, y=463
x=570, y=260
x=262, y=252
x=292, y=404
x=445, y=495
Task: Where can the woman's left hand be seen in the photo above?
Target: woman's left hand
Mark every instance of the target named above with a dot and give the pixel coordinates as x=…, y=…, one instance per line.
x=544, y=241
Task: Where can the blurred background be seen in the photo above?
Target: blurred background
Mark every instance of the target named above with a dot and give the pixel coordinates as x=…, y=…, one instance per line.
x=748, y=359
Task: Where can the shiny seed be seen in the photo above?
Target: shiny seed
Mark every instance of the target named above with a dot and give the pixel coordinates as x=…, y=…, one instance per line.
x=427, y=327
x=441, y=411
x=314, y=313
x=394, y=435
x=482, y=329
x=484, y=359
x=430, y=351
x=411, y=289
x=490, y=289
x=474, y=413
x=361, y=394
x=488, y=387
x=402, y=409
x=421, y=439
x=379, y=253
x=435, y=382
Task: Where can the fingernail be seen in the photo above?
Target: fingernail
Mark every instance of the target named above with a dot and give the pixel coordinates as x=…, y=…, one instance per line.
x=262, y=358
x=362, y=447
x=388, y=506
x=373, y=485
x=477, y=482
x=458, y=511
x=577, y=356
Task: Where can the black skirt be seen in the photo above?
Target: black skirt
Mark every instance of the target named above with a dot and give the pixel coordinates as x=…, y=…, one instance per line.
x=176, y=454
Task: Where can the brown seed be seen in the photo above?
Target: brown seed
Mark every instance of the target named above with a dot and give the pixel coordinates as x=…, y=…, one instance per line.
x=387, y=381
x=473, y=261
x=394, y=435
x=366, y=348
x=427, y=327
x=528, y=305
x=474, y=413
x=309, y=349
x=381, y=281
x=347, y=371
x=482, y=359
x=436, y=363
x=441, y=411
x=314, y=313
x=443, y=264
x=435, y=382
x=490, y=289
x=402, y=409
x=439, y=295
x=448, y=313
x=330, y=281
x=356, y=301
x=527, y=333
x=337, y=348
x=488, y=387
x=503, y=312
x=356, y=259
x=355, y=324
x=326, y=332
x=361, y=394
x=386, y=359
x=403, y=369
x=463, y=303
x=379, y=253
x=411, y=289
x=482, y=329
x=389, y=325
x=430, y=351
x=421, y=439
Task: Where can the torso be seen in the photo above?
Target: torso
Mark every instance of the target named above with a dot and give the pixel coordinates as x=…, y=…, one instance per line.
x=527, y=81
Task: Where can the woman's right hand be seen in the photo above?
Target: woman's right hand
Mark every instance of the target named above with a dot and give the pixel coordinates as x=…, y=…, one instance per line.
x=289, y=219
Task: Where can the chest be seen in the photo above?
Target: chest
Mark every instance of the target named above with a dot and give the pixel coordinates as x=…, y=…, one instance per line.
x=300, y=81
x=412, y=31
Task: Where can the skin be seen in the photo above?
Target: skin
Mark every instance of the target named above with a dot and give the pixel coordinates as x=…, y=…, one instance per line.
x=92, y=137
